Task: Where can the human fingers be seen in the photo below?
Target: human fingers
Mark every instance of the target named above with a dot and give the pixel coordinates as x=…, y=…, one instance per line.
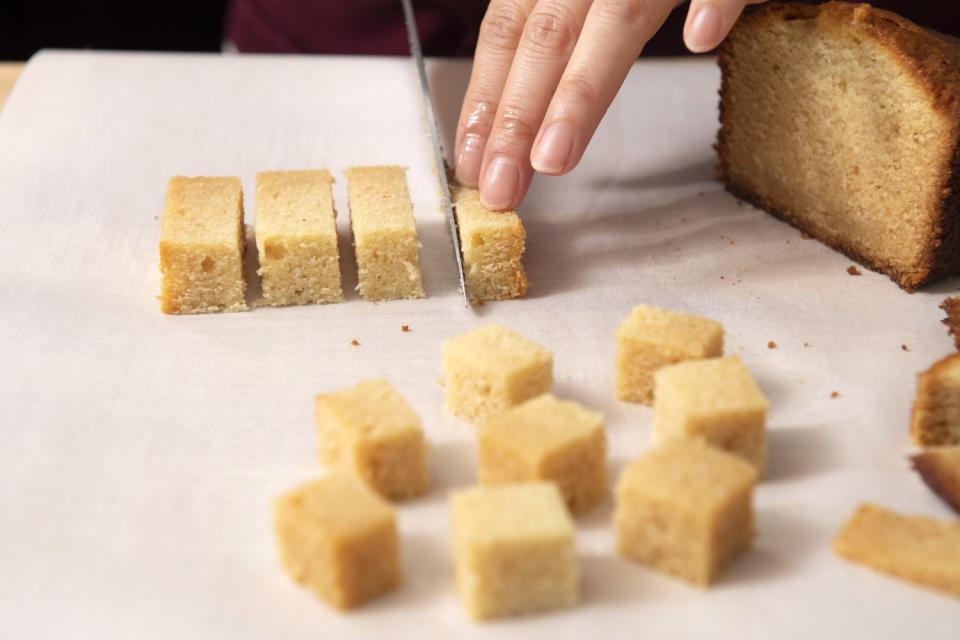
x=709, y=22
x=497, y=42
x=613, y=35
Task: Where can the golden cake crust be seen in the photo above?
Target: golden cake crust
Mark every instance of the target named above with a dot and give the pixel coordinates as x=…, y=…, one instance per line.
x=934, y=420
x=939, y=468
x=932, y=60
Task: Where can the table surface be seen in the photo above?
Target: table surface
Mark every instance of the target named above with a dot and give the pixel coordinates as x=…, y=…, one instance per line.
x=141, y=452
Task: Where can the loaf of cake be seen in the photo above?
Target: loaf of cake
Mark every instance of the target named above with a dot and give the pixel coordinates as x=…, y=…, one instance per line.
x=844, y=121
x=939, y=468
x=925, y=551
x=936, y=407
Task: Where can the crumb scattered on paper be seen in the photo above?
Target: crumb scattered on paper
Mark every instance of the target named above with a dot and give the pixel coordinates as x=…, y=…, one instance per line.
x=834, y=394
x=771, y=345
x=905, y=347
x=354, y=343
x=405, y=328
x=806, y=344
x=852, y=270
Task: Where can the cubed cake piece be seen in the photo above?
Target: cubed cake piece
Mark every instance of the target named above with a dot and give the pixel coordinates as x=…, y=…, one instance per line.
x=650, y=338
x=384, y=233
x=370, y=430
x=715, y=400
x=491, y=369
x=936, y=408
x=940, y=470
x=547, y=439
x=951, y=306
x=492, y=245
x=297, y=238
x=201, y=246
x=338, y=539
x=685, y=509
x=513, y=549
x=925, y=551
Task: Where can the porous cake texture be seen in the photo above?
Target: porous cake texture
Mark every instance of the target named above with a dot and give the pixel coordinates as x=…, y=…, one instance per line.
x=923, y=550
x=685, y=509
x=939, y=468
x=491, y=369
x=297, y=238
x=844, y=120
x=650, y=338
x=547, y=439
x=201, y=246
x=492, y=245
x=513, y=550
x=384, y=233
x=936, y=407
x=715, y=400
x=338, y=539
x=372, y=432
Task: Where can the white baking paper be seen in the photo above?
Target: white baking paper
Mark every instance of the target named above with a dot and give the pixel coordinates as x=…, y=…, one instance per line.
x=140, y=452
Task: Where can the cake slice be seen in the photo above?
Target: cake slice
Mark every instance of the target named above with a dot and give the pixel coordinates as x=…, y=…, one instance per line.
x=936, y=408
x=951, y=306
x=384, y=233
x=940, y=470
x=492, y=244
x=297, y=237
x=844, y=121
x=923, y=550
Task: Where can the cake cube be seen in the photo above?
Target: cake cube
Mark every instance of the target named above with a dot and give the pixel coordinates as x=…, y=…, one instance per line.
x=935, y=420
x=513, y=550
x=492, y=245
x=685, y=509
x=338, y=539
x=371, y=431
x=547, y=439
x=201, y=246
x=384, y=233
x=939, y=468
x=716, y=400
x=297, y=238
x=491, y=369
x=923, y=550
x=650, y=338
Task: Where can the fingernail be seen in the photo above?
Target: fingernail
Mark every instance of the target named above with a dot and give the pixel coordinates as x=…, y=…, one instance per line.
x=468, y=160
x=500, y=183
x=705, y=26
x=553, y=149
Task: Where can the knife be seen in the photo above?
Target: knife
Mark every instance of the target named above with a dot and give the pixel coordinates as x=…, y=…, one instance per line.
x=440, y=164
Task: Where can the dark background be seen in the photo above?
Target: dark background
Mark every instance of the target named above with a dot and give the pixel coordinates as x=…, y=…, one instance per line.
x=198, y=25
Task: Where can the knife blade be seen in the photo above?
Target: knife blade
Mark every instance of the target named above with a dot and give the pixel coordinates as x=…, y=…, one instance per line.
x=440, y=164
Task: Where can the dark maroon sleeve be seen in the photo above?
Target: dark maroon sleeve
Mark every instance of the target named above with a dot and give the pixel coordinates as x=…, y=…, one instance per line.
x=447, y=28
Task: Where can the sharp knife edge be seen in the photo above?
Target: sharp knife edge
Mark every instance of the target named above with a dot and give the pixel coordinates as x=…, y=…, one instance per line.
x=440, y=165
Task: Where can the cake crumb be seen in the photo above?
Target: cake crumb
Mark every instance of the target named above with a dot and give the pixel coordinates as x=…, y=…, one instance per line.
x=852, y=270
x=405, y=328
x=904, y=347
x=771, y=345
x=806, y=344
x=804, y=235
x=354, y=343
x=834, y=394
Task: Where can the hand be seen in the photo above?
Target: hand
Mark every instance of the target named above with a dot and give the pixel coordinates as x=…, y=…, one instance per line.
x=544, y=74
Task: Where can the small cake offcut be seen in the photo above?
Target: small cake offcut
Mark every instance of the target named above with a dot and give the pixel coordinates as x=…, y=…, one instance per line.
x=842, y=120
x=297, y=238
x=715, y=400
x=513, y=550
x=650, y=338
x=936, y=408
x=925, y=551
x=338, y=539
x=371, y=431
x=492, y=245
x=951, y=306
x=685, y=509
x=384, y=233
x=491, y=369
x=547, y=439
x=940, y=470
x=201, y=246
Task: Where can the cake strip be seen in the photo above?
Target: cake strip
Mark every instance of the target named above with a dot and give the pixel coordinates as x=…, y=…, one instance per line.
x=297, y=238
x=492, y=244
x=201, y=246
x=384, y=233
